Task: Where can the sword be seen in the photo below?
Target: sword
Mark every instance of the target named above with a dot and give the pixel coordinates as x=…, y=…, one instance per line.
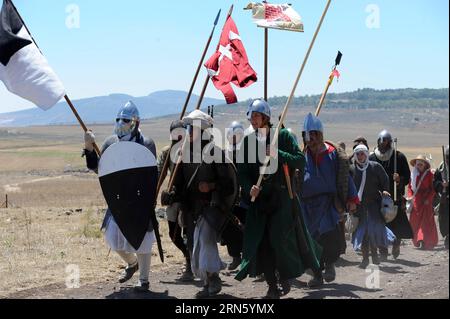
x=297, y=226
x=157, y=235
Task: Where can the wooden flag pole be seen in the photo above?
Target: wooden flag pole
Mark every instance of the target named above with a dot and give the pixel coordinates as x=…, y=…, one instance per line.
x=283, y=115
x=69, y=102
x=200, y=65
x=83, y=126
x=205, y=85
x=165, y=168
x=330, y=81
x=266, y=63
x=200, y=100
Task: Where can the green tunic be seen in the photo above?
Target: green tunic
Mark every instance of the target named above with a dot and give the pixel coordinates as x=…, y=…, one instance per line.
x=272, y=214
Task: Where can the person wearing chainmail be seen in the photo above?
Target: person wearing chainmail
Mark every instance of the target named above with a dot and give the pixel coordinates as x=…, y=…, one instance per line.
x=126, y=130
x=276, y=244
x=178, y=227
x=384, y=154
x=328, y=191
x=233, y=236
x=205, y=185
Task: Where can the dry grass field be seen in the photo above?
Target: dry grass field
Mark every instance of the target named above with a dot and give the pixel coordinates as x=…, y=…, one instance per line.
x=56, y=206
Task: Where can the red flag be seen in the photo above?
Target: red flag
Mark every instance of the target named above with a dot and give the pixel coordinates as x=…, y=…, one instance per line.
x=337, y=74
x=230, y=63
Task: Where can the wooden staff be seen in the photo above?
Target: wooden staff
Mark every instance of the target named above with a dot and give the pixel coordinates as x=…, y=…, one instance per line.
x=205, y=85
x=69, y=102
x=330, y=81
x=178, y=163
x=200, y=100
x=287, y=175
x=165, y=168
x=283, y=115
x=395, y=170
x=266, y=63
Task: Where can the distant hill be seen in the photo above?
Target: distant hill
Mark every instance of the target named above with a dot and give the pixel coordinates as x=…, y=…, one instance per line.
x=159, y=104
x=103, y=109
x=373, y=99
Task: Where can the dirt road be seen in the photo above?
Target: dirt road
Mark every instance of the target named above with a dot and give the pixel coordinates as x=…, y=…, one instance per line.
x=416, y=274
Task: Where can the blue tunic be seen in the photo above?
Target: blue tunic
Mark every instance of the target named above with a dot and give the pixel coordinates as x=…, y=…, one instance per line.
x=371, y=222
x=319, y=190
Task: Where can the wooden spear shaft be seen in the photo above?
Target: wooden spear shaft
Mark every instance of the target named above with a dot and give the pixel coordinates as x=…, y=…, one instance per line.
x=200, y=66
x=322, y=99
x=286, y=108
x=165, y=168
x=330, y=81
x=395, y=169
x=69, y=102
x=83, y=126
x=200, y=100
x=205, y=85
x=266, y=63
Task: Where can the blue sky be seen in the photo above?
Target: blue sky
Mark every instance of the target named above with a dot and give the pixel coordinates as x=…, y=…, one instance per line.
x=139, y=46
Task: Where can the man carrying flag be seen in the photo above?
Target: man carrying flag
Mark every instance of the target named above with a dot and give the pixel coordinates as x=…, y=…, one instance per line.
x=230, y=63
x=23, y=69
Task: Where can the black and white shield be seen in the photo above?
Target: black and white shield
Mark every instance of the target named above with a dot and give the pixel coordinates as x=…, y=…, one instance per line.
x=128, y=176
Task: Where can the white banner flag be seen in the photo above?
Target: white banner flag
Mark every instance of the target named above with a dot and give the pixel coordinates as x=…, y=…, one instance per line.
x=23, y=69
x=276, y=16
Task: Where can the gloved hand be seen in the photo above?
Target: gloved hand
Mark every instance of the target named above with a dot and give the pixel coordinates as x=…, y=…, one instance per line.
x=89, y=141
x=167, y=198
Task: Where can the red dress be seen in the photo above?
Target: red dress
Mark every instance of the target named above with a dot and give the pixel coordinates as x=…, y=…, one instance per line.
x=422, y=215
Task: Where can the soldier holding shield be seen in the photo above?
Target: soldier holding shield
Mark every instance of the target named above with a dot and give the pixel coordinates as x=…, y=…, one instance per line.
x=128, y=176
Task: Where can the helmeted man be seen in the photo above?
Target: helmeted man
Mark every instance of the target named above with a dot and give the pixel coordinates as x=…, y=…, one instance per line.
x=441, y=187
x=233, y=235
x=126, y=130
x=274, y=244
x=385, y=155
x=327, y=192
x=178, y=227
x=206, y=187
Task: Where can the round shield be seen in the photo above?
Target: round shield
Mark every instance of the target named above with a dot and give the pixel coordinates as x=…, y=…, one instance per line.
x=128, y=176
x=388, y=210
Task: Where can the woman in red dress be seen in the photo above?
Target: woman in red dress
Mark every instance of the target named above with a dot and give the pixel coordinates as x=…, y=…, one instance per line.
x=421, y=192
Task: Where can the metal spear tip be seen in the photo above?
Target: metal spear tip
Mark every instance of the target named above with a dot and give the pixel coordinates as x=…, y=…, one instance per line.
x=217, y=18
x=339, y=58
x=231, y=10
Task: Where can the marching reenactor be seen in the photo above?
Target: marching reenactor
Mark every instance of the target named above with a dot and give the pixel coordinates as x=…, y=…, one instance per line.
x=396, y=166
x=328, y=191
x=274, y=243
x=178, y=226
x=206, y=187
x=233, y=235
x=372, y=184
x=129, y=229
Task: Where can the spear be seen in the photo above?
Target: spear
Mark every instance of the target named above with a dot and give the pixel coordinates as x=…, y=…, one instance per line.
x=333, y=74
x=286, y=107
x=266, y=63
x=205, y=85
x=163, y=173
x=200, y=100
x=66, y=97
